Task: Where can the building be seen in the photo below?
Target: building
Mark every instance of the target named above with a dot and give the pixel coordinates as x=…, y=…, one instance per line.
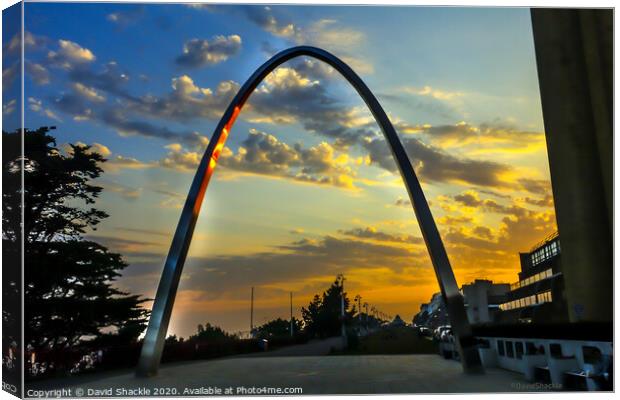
x=432, y=314
x=483, y=299
x=575, y=63
x=539, y=294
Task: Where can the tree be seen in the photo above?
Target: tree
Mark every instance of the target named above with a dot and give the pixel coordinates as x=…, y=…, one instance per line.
x=323, y=318
x=70, y=297
x=278, y=328
x=211, y=333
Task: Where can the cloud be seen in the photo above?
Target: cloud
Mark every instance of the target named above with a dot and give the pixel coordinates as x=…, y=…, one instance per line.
x=517, y=232
x=311, y=258
x=86, y=103
x=203, y=6
x=432, y=92
x=9, y=74
x=537, y=186
x=95, y=147
x=88, y=93
x=118, y=119
x=8, y=107
x=126, y=246
x=263, y=154
x=264, y=17
x=400, y=202
x=295, y=94
x=325, y=33
x=119, y=162
x=187, y=101
x=127, y=16
x=31, y=42
x=496, y=137
x=37, y=72
x=202, y=52
x=126, y=192
x=435, y=165
x=37, y=106
x=70, y=54
x=546, y=201
x=374, y=234
x=110, y=79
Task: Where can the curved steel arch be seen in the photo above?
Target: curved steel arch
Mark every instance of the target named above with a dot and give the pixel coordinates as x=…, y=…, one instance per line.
x=166, y=292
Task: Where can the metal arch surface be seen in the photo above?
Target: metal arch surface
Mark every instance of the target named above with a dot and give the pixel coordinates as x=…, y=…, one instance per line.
x=166, y=292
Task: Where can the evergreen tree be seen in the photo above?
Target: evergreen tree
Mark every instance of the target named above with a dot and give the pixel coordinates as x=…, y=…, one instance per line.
x=70, y=298
x=323, y=317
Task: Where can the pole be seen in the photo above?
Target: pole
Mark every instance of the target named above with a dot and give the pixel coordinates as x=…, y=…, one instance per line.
x=252, y=312
x=344, y=332
x=359, y=308
x=292, y=314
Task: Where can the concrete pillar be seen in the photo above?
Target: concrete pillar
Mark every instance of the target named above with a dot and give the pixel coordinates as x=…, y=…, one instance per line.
x=574, y=54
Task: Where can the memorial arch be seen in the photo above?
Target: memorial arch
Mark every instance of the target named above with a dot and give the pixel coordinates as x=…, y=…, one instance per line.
x=166, y=292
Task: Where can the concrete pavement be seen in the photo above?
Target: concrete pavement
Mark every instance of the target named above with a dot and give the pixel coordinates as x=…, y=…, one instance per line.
x=372, y=374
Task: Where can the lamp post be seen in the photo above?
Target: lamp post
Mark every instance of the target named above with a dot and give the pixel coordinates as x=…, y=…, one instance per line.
x=292, y=333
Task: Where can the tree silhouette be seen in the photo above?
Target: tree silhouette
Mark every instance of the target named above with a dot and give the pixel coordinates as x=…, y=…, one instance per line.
x=70, y=297
x=211, y=333
x=323, y=318
x=278, y=328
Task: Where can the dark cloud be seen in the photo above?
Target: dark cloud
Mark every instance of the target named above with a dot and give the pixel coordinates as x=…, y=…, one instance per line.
x=186, y=101
x=469, y=199
x=537, y=186
x=373, y=233
x=400, y=202
x=265, y=18
x=202, y=52
x=218, y=276
x=302, y=259
x=546, y=201
x=435, y=165
x=116, y=118
x=110, y=79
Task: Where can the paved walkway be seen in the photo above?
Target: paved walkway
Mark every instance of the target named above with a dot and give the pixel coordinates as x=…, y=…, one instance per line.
x=311, y=348
x=314, y=375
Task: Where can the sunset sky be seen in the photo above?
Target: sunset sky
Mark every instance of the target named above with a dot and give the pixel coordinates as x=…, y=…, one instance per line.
x=306, y=188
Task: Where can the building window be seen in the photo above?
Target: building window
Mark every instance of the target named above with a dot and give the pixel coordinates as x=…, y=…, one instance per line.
x=544, y=253
x=544, y=297
x=532, y=279
x=592, y=355
x=530, y=349
x=555, y=350
x=500, y=348
x=510, y=352
x=519, y=349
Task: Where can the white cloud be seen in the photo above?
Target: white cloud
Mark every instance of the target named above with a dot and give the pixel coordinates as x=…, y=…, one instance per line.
x=69, y=54
x=202, y=52
x=37, y=106
x=88, y=93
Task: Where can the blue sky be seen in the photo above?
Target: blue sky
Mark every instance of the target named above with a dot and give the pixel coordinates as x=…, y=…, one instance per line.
x=306, y=188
